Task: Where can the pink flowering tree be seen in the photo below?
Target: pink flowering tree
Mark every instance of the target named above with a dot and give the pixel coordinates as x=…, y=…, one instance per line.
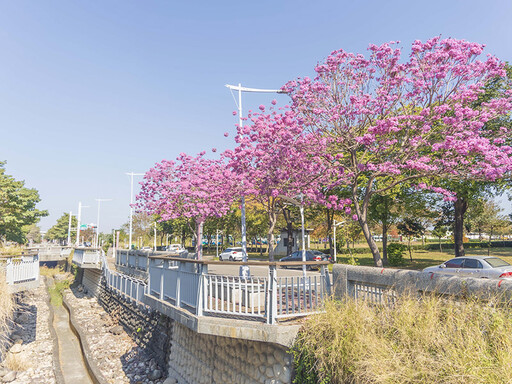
x=276, y=158
x=195, y=188
x=390, y=121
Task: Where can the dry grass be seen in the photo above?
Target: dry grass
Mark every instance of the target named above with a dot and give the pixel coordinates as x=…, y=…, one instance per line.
x=416, y=341
x=12, y=250
x=7, y=306
x=16, y=362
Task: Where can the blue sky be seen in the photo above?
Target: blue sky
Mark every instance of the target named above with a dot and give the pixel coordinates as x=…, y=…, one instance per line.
x=90, y=90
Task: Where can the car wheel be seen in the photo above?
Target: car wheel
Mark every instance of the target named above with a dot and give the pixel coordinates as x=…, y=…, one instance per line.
x=220, y=258
x=230, y=258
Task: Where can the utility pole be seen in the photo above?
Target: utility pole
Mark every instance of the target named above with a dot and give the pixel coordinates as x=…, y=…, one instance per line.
x=131, y=174
x=98, y=221
x=80, y=206
x=335, y=224
x=244, y=269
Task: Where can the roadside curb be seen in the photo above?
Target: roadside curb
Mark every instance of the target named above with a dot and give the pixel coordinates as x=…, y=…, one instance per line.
x=59, y=378
x=94, y=372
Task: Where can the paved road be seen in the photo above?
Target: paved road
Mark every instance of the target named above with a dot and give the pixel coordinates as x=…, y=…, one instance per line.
x=257, y=271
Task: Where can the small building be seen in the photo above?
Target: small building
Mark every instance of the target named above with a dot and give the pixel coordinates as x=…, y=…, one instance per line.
x=282, y=245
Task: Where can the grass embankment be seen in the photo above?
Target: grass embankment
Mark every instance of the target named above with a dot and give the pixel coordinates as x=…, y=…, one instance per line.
x=415, y=341
x=61, y=281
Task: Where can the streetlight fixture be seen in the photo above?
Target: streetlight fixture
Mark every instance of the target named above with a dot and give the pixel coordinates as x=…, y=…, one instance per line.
x=300, y=204
x=244, y=269
x=335, y=224
x=98, y=221
x=131, y=174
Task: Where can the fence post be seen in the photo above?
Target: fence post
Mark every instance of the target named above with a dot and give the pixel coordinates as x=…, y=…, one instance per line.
x=178, y=285
x=200, y=293
x=162, y=281
x=9, y=278
x=271, y=308
x=36, y=266
x=327, y=280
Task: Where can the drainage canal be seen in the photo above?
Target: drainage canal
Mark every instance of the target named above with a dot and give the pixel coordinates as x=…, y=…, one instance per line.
x=73, y=366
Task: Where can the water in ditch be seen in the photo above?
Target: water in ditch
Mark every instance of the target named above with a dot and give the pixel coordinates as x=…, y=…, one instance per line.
x=71, y=359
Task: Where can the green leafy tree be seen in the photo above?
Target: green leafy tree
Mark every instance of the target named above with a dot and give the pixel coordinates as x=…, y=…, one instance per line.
x=59, y=231
x=440, y=231
x=17, y=208
x=410, y=228
x=33, y=234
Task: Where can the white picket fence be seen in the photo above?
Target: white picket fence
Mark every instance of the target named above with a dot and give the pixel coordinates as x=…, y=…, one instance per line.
x=21, y=269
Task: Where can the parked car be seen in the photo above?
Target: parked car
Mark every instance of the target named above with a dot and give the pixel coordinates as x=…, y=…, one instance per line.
x=311, y=255
x=232, y=254
x=175, y=248
x=486, y=267
x=146, y=249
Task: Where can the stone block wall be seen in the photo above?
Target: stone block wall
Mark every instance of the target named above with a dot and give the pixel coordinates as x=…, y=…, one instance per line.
x=205, y=359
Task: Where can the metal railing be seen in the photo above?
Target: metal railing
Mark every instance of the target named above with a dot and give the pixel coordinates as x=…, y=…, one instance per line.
x=188, y=285
x=127, y=286
x=86, y=256
x=21, y=269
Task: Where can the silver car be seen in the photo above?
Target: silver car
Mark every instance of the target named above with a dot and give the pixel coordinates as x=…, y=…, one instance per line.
x=486, y=267
x=232, y=254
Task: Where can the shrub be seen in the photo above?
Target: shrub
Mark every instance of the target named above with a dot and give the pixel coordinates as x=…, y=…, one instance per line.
x=7, y=306
x=396, y=253
x=428, y=340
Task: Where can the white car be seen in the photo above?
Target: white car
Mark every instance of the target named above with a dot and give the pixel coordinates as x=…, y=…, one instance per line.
x=486, y=267
x=175, y=248
x=232, y=254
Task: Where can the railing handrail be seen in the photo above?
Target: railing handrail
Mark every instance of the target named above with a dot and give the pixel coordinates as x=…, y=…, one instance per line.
x=262, y=263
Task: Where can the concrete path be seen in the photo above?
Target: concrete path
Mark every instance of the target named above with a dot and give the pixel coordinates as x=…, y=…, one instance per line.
x=70, y=355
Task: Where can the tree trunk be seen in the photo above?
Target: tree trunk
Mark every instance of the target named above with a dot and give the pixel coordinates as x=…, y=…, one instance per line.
x=440, y=246
x=361, y=212
x=199, y=240
x=385, y=244
x=461, y=205
x=289, y=230
x=409, y=246
x=272, y=223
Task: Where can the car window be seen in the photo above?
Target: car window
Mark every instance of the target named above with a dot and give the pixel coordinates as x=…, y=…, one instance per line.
x=495, y=262
x=454, y=263
x=227, y=250
x=296, y=255
x=472, y=263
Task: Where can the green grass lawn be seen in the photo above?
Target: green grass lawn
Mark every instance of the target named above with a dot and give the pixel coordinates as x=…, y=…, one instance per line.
x=422, y=258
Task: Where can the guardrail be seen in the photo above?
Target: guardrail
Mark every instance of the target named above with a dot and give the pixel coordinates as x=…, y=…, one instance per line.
x=139, y=259
x=21, y=269
x=188, y=285
x=87, y=257
x=126, y=286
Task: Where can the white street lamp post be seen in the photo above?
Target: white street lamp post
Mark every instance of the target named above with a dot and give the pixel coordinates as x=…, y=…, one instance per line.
x=244, y=269
x=98, y=221
x=79, y=218
x=69, y=229
x=131, y=174
x=335, y=224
